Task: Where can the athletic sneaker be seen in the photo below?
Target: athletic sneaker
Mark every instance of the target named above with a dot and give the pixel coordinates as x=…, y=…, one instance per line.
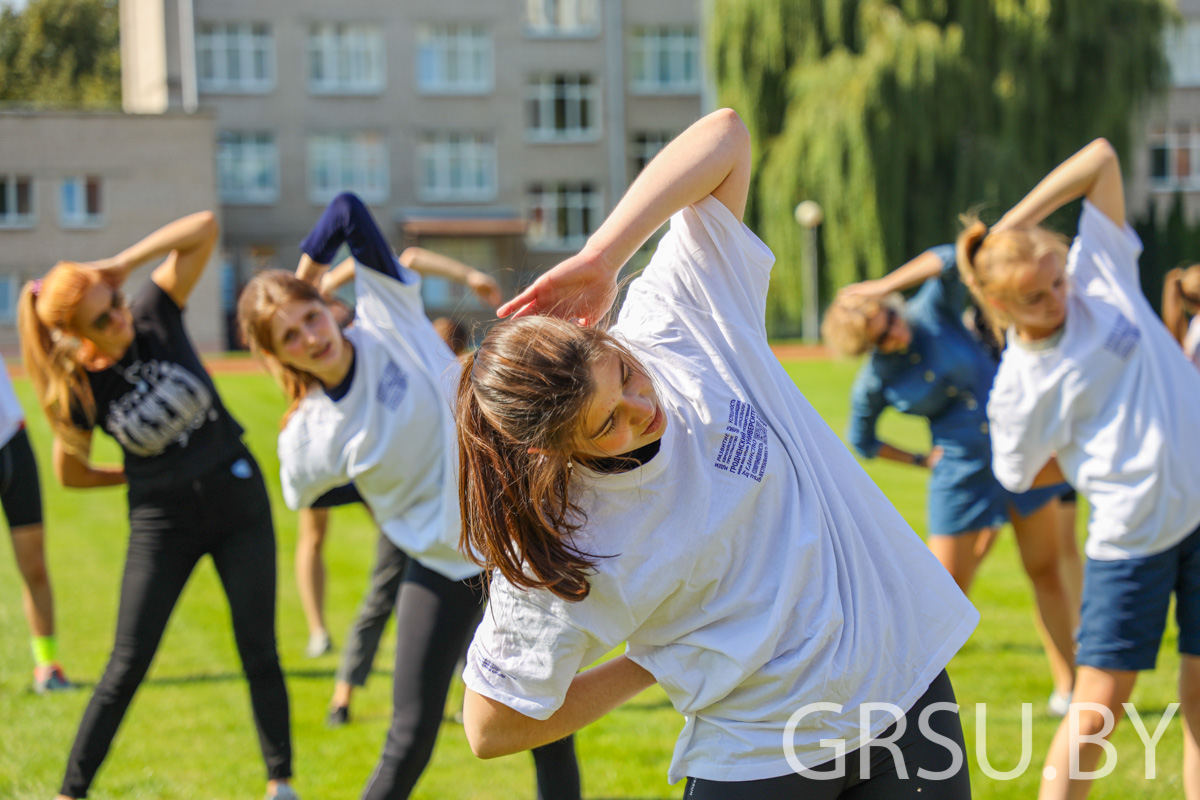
x=1059, y=704
x=338, y=716
x=50, y=678
x=283, y=791
x=318, y=645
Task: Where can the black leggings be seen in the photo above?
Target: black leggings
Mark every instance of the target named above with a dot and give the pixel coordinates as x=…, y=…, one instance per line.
x=435, y=618
x=229, y=518
x=884, y=782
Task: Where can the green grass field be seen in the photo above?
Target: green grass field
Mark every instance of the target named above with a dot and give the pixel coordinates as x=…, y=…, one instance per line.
x=189, y=734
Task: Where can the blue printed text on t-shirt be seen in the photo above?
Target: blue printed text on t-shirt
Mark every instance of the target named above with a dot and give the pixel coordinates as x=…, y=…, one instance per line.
x=1122, y=338
x=392, y=386
x=744, y=448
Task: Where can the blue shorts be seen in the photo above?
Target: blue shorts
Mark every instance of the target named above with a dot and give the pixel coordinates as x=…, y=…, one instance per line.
x=1028, y=502
x=1125, y=607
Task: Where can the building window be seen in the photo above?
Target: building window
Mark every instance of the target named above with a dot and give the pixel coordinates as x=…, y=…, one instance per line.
x=16, y=201
x=563, y=215
x=80, y=203
x=235, y=57
x=10, y=288
x=666, y=60
x=562, y=108
x=454, y=59
x=457, y=166
x=347, y=162
x=561, y=17
x=1183, y=53
x=1175, y=159
x=346, y=58
x=247, y=167
x=645, y=146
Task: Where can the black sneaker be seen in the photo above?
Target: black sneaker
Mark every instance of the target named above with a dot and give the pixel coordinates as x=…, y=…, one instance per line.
x=338, y=716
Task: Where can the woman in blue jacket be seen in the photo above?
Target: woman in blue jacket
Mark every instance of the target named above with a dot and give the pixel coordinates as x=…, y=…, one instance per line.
x=924, y=361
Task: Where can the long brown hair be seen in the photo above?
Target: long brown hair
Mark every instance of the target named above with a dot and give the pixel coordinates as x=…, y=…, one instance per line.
x=261, y=298
x=1181, y=288
x=56, y=357
x=521, y=399
x=986, y=262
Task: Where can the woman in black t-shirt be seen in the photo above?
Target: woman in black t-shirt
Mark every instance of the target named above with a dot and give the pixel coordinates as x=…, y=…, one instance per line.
x=194, y=488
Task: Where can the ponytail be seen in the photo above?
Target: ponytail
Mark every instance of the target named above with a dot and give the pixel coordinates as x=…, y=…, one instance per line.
x=987, y=259
x=53, y=358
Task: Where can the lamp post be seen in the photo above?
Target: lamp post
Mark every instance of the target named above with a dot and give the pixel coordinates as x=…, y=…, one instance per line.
x=809, y=216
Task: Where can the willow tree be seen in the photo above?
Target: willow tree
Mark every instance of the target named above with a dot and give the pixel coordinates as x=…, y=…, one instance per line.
x=61, y=54
x=896, y=116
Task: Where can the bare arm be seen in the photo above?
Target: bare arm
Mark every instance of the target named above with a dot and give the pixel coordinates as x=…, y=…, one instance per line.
x=913, y=273
x=710, y=157
x=79, y=473
x=427, y=262
x=335, y=278
x=493, y=729
x=1094, y=172
x=929, y=460
x=311, y=271
x=187, y=243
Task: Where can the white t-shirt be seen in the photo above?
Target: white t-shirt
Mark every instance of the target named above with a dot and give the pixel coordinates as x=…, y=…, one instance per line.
x=11, y=414
x=1191, y=341
x=753, y=566
x=1112, y=399
x=393, y=431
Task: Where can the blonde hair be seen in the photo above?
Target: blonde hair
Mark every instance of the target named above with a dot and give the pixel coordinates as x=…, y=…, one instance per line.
x=56, y=357
x=847, y=324
x=988, y=261
x=261, y=298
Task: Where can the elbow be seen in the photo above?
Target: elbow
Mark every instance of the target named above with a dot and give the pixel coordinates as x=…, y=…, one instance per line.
x=348, y=200
x=1104, y=151
x=408, y=256
x=209, y=225
x=733, y=126
x=485, y=741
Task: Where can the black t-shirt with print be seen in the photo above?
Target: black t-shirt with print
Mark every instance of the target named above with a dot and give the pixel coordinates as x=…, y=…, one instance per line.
x=159, y=402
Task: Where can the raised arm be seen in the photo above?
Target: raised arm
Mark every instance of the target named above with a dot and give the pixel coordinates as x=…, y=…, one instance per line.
x=426, y=262
x=187, y=243
x=912, y=273
x=710, y=157
x=493, y=729
x=345, y=220
x=1094, y=173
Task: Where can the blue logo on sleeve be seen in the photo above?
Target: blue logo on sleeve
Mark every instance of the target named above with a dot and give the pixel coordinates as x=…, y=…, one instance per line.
x=1122, y=338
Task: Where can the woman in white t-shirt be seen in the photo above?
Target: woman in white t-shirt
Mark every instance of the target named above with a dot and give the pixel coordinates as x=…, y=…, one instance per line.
x=1091, y=387
x=372, y=405
x=1181, y=299
x=665, y=484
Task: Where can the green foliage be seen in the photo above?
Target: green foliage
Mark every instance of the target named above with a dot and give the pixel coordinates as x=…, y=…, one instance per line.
x=898, y=116
x=61, y=54
x=1168, y=243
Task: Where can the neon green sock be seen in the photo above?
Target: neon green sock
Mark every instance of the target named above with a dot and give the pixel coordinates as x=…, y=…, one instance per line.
x=45, y=650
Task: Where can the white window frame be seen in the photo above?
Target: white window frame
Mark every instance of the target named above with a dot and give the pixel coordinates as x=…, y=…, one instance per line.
x=575, y=197
x=351, y=57
x=80, y=217
x=360, y=161
x=242, y=156
x=455, y=59
x=660, y=57
x=1183, y=52
x=1174, y=139
x=251, y=41
x=562, y=19
x=446, y=160
x=544, y=91
x=14, y=219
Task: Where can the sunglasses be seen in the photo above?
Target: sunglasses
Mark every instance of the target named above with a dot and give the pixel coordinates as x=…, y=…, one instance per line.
x=105, y=319
x=889, y=320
